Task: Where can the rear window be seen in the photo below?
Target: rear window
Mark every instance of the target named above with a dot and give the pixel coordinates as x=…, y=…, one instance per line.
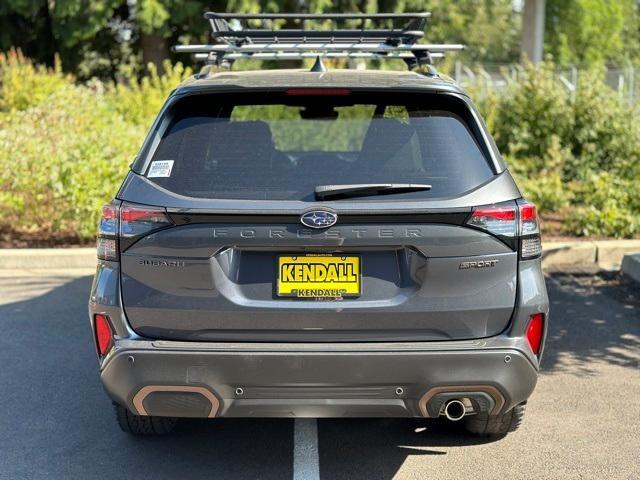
x=280, y=147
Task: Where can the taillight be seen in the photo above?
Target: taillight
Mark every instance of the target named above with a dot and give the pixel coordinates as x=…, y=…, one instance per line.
x=497, y=219
x=107, y=244
x=511, y=221
x=126, y=221
x=535, y=330
x=530, y=242
x=138, y=220
x=104, y=333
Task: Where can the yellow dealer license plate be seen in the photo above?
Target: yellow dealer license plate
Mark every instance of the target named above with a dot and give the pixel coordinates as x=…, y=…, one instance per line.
x=318, y=276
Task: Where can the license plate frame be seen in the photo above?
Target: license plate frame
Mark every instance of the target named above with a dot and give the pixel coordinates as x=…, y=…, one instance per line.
x=292, y=278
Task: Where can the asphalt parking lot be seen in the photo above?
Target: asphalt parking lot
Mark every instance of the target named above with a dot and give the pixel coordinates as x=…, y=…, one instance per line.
x=583, y=420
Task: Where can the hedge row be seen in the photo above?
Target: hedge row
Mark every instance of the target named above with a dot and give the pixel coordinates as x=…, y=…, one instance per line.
x=574, y=153
x=64, y=146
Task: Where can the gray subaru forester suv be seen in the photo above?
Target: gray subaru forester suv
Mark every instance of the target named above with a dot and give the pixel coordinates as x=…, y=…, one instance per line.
x=317, y=243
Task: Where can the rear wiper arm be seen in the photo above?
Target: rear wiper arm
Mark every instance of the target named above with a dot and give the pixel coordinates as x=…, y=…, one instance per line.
x=324, y=192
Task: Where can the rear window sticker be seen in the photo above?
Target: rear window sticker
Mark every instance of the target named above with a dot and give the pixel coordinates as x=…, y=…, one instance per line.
x=160, y=168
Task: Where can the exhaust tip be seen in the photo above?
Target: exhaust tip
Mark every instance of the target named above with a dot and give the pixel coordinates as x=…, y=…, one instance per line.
x=454, y=410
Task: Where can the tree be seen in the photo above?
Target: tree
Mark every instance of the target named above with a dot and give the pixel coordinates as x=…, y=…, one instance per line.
x=74, y=30
x=489, y=28
x=591, y=32
x=103, y=37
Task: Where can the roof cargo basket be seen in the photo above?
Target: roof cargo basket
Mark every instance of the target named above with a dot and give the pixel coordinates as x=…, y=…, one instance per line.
x=234, y=39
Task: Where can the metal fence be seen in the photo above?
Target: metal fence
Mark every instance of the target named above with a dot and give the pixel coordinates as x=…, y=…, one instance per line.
x=498, y=76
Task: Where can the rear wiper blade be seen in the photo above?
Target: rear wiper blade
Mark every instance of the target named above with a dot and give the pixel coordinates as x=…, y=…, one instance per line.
x=364, y=189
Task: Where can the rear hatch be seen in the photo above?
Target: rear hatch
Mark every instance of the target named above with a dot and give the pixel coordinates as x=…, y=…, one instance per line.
x=295, y=216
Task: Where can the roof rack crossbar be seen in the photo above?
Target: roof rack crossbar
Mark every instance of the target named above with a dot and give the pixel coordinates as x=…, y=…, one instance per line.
x=315, y=16
x=234, y=39
x=304, y=55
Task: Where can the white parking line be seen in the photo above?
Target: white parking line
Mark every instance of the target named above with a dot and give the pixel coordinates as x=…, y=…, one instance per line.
x=306, y=461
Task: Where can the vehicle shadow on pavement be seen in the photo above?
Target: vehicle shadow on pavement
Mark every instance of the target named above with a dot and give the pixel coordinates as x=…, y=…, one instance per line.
x=62, y=424
x=592, y=318
x=205, y=449
x=377, y=448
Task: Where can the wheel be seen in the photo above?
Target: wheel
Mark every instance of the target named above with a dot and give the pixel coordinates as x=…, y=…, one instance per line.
x=143, y=425
x=496, y=425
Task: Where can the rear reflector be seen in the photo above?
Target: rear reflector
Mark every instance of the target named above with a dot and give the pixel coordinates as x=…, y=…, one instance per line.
x=104, y=334
x=319, y=91
x=535, y=330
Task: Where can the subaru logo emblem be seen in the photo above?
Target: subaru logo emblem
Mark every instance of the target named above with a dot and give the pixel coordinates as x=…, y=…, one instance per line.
x=319, y=219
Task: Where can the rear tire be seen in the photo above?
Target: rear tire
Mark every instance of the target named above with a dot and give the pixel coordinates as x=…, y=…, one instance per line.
x=143, y=425
x=496, y=425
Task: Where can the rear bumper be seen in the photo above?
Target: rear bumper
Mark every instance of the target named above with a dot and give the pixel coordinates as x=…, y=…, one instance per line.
x=316, y=380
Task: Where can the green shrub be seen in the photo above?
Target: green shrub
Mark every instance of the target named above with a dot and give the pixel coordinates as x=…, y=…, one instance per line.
x=139, y=101
x=612, y=220
x=607, y=205
x=606, y=131
x=579, y=150
x=531, y=112
x=548, y=192
x=23, y=84
x=64, y=148
x=62, y=160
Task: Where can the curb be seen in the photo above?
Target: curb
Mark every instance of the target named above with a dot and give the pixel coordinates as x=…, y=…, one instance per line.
x=631, y=266
x=35, y=258
x=568, y=253
x=604, y=254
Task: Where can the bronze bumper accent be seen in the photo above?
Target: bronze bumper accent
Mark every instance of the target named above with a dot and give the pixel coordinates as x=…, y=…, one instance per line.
x=139, y=397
